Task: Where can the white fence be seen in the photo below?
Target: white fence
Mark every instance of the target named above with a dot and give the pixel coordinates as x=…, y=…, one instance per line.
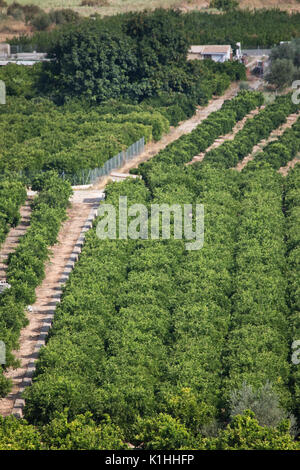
x=90, y=176
x=87, y=176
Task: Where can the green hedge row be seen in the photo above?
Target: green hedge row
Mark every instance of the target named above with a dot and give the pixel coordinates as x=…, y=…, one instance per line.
x=200, y=320
x=218, y=123
x=12, y=196
x=282, y=150
x=69, y=141
x=292, y=211
x=257, y=348
x=26, y=266
x=231, y=152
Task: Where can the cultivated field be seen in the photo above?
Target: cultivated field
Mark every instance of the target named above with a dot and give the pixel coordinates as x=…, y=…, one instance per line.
x=111, y=7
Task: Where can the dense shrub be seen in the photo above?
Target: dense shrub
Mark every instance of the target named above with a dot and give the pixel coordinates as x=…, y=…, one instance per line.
x=12, y=196
x=41, y=21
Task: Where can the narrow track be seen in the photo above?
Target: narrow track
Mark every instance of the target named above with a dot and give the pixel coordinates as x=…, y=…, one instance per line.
x=285, y=169
x=48, y=295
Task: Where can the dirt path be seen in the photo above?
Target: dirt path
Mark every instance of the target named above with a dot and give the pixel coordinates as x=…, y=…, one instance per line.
x=48, y=295
x=230, y=136
x=152, y=148
x=13, y=237
x=291, y=119
x=285, y=169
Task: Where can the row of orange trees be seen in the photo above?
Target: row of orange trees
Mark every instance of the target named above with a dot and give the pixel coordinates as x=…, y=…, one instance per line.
x=187, y=146
x=256, y=129
x=279, y=152
x=258, y=344
x=292, y=211
x=12, y=196
x=26, y=266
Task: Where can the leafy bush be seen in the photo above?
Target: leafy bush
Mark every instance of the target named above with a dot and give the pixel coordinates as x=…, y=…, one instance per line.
x=226, y=5
x=16, y=11
x=263, y=402
x=64, y=16
x=41, y=21
x=30, y=11
x=12, y=196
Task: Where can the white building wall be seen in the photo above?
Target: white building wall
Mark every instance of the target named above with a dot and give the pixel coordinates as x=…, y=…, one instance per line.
x=220, y=57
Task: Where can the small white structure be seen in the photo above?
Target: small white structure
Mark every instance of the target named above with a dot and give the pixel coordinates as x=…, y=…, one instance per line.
x=238, y=53
x=216, y=53
x=4, y=50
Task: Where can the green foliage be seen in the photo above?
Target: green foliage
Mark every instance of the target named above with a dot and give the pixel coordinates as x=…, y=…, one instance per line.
x=16, y=11
x=292, y=210
x=255, y=129
x=244, y=433
x=144, y=57
x=26, y=268
x=161, y=338
x=218, y=123
x=41, y=136
x=257, y=348
x=18, y=435
x=63, y=16
x=261, y=27
x=279, y=152
x=20, y=80
x=102, y=74
x=41, y=21
x=12, y=196
x=281, y=73
x=164, y=432
x=263, y=402
x=81, y=434
x=285, y=64
x=61, y=434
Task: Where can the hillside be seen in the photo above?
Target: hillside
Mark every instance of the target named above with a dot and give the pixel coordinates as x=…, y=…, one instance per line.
x=14, y=24
x=108, y=7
